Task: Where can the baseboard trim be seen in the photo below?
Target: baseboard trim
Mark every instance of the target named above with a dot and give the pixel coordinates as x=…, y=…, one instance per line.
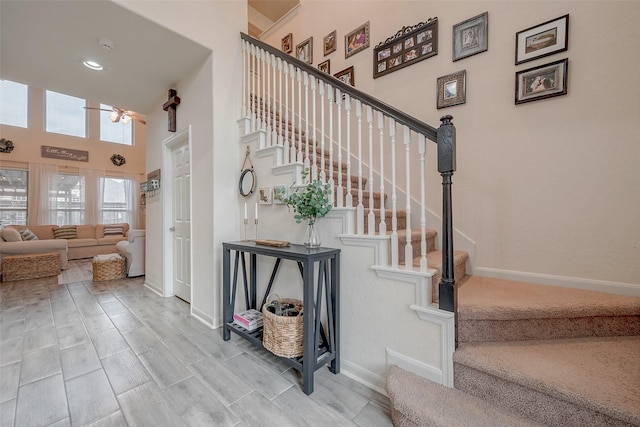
x=412, y=365
x=620, y=288
x=203, y=317
x=363, y=376
x=153, y=288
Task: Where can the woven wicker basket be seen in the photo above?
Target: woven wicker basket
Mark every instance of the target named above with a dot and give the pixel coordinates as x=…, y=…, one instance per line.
x=282, y=335
x=110, y=269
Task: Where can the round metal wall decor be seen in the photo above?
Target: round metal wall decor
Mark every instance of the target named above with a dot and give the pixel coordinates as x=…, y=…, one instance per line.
x=118, y=160
x=6, y=146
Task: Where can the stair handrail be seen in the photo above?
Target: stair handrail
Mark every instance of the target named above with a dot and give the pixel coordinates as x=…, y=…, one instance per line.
x=403, y=118
x=445, y=138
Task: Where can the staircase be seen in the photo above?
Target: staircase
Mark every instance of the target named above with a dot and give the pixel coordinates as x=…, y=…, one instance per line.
x=528, y=354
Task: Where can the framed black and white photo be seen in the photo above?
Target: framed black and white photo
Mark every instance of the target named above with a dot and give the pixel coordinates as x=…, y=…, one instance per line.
x=451, y=89
x=544, y=81
x=304, y=51
x=330, y=42
x=471, y=37
x=542, y=40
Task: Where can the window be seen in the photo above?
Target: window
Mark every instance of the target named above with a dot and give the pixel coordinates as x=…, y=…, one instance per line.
x=13, y=103
x=69, y=199
x=66, y=114
x=116, y=200
x=13, y=196
x=119, y=132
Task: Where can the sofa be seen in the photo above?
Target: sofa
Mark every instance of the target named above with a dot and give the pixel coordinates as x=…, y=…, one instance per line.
x=71, y=242
x=133, y=250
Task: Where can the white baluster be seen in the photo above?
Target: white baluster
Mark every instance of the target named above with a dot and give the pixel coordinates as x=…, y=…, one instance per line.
x=263, y=109
x=394, y=198
x=274, y=123
x=331, y=180
x=280, y=134
x=289, y=138
x=306, y=121
x=371, y=219
x=423, y=213
x=267, y=99
x=347, y=107
x=360, y=206
x=323, y=174
x=340, y=190
x=314, y=168
x=408, y=248
x=299, y=142
x=253, y=104
x=382, y=229
x=244, y=78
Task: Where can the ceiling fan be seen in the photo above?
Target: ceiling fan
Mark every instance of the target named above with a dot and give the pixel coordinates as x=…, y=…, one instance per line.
x=116, y=114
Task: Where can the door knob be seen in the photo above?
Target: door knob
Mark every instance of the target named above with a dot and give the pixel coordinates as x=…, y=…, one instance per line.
x=172, y=229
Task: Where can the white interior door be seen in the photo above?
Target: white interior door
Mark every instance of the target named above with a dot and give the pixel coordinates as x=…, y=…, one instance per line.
x=181, y=216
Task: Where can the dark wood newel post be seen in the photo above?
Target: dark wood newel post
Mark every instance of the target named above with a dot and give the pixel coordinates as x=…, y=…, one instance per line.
x=447, y=166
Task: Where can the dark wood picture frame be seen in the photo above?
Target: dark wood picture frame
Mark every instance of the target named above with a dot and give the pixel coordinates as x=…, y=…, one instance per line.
x=287, y=43
x=357, y=40
x=346, y=76
x=452, y=89
x=471, y=36
x=325, y=66
x=304, y=51
x=542, y=40
x=330, y=42
x=406, y=47
x=541, y=82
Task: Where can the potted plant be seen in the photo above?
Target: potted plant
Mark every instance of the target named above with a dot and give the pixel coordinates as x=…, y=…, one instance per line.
x=310, y=203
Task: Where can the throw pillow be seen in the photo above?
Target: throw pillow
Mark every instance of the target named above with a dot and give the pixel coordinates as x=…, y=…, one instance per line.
x=28, y=234
x=114, y=231
x=65, y=232
x=10, y=234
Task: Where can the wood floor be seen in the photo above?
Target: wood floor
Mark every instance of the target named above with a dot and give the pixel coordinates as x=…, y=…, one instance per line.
x=76, y=352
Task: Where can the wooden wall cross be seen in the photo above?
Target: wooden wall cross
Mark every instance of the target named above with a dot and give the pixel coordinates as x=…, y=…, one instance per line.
x=170, y=107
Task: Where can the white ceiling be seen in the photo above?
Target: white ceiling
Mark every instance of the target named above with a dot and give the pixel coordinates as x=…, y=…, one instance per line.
x=43, y=44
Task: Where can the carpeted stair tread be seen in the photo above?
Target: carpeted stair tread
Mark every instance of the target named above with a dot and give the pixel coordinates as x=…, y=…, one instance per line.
x=571, y=382
x=419, y=402
x=434, y=261
x=499, y=299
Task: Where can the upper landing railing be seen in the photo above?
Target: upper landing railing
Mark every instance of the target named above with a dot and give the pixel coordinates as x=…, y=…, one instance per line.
x=325, y=124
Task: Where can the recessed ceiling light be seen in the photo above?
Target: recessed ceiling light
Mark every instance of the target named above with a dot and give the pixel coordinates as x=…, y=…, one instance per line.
x=92, y=65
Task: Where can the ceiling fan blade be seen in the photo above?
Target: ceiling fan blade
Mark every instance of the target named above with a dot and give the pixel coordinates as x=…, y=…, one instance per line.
x=96, y=108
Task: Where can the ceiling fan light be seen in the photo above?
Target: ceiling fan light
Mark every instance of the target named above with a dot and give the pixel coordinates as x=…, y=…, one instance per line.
x=126, y=119
x=92, y=65
x=114, y=116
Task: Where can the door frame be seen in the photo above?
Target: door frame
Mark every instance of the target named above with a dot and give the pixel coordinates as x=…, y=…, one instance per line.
x=181, y=137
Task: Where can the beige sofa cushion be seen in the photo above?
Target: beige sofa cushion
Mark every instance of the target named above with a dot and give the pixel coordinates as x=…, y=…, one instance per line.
x=100, y=230
x=65, y=232
x=11, y=235
x=86, y=232
x=81, y=243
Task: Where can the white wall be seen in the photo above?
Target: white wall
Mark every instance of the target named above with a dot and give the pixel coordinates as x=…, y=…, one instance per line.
x=548, y=187
x=210, y=104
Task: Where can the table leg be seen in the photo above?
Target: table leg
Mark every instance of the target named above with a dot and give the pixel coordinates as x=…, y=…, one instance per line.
x=226, y=291
x=309, y=340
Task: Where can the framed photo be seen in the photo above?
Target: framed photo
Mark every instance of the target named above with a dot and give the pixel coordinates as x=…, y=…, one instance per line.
x=451, y=89
x=408, y=46
x=542, y=40
x=357, y=40
x=542, y=82
x=346, y=76
x=471, y=37
x=324, y=66
x=279, y=194
x=330, y=42
x=287, y=43
x=265, y=196
x=304, y=51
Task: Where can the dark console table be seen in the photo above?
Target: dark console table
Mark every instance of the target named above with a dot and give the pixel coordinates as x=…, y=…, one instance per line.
x=320, y=346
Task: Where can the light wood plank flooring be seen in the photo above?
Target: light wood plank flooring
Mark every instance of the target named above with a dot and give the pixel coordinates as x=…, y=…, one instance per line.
x=74, y=352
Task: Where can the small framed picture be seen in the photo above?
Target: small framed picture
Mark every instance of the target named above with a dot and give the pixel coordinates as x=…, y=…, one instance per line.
x=357, y=40
x=287, y=43
x=304, y=51
x=280, y=193
x=264, y=196
x=346, y=76
x=542, y=40
x=542, y=82
x=325, y=66
x=329, y=42
x=471, y=37
x=451, y=89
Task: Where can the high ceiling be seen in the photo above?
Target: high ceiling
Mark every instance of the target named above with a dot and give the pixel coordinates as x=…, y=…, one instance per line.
x=263, y=13
x=43, y=44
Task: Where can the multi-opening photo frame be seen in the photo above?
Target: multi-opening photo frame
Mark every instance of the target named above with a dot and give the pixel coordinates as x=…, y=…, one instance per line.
x=406, y=47
x=542, y=40
x=544, y=81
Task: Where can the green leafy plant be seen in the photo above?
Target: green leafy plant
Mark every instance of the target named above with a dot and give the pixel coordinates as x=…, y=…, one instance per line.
x=310, y=202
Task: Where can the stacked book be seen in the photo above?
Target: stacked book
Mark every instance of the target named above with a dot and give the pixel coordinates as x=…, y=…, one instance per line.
x=249, y=319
